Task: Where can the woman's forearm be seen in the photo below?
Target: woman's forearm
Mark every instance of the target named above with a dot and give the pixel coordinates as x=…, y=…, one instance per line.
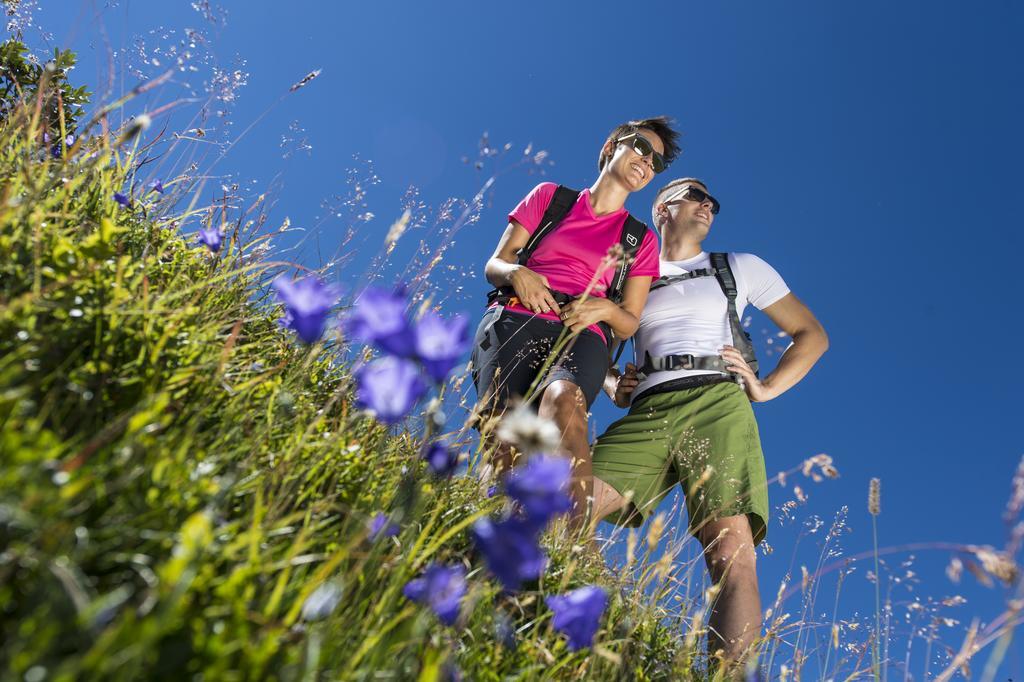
x=622, y=322
x=499, y=271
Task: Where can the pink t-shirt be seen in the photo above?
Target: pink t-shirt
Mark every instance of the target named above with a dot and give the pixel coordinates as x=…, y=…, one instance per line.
x=571, y=254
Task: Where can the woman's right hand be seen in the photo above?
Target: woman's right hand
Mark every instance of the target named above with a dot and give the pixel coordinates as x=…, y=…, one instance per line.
x=533, y=290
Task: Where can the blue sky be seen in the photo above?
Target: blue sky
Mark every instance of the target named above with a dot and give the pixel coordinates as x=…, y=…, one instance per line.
x=869, y=151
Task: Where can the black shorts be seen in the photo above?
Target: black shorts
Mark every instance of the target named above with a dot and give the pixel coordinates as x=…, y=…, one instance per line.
x=518, y=346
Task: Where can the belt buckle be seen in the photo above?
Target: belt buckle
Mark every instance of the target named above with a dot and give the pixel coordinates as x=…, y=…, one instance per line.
x=684, y=361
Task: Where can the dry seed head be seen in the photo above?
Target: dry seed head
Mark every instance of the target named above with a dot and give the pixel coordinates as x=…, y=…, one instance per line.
x=631, y=541
x=663, y=566
x=657, y=528
x=705, y=475
x=998, y=564
x=1016, y=503
x=397, y=229
x=955, y=569
x=304, y=81
x=875, y=496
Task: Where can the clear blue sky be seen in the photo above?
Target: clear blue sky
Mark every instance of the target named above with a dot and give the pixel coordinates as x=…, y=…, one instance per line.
x=870, y=151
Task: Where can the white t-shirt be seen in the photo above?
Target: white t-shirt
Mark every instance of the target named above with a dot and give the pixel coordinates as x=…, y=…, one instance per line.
x=691, y=317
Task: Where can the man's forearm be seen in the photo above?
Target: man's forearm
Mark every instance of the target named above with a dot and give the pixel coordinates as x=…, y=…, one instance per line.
x=796, y=361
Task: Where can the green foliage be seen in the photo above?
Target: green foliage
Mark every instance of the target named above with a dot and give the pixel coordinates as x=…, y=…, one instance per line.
x=180, y=475
x=25, y=81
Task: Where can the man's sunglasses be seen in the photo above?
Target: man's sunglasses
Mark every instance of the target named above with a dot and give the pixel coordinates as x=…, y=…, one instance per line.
x=643, y=147
x=692, y=193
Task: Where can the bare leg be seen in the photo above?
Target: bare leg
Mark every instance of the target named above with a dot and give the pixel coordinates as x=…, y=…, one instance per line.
x=564, y=404
x=735, y=620
x=606, y=501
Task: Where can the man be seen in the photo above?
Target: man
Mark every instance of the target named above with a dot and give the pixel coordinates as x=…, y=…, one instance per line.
x=552, y=251
x=690, y=421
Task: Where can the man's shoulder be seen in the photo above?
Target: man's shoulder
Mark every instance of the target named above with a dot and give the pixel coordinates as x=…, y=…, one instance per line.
x=745, y=260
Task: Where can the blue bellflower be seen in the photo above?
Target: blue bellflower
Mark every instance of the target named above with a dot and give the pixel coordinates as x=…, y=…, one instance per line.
x=122, y=199
x=541, y=488
x=578, y=614
x=382, y=527
x=212, y=238
x=511, y=550
x=378, y=318
x=441, y=459
x=440, y=343
x=390, y=387
x=156, y=186
x=307, y=302
x=441, y=588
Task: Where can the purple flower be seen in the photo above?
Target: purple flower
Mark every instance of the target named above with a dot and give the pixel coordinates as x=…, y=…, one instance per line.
x=212, y=238
x=440, y=343
x=379, y=318
x=578, y=614
x=441, y=459
x=56, y=151
x=156, y=186
x=510, y=549
x=122, y=199
x=389, y=387
x=382, y=527
x=440, y=587
x=541, y=487
x=306, y=303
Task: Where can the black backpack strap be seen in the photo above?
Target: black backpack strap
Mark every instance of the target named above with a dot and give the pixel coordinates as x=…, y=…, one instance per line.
x=630, y=239
x=561, y=202
x=632, y=236
x=740, y=337
x=668, y=280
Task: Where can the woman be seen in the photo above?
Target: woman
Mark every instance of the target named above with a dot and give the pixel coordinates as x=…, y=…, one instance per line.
x=520, y=329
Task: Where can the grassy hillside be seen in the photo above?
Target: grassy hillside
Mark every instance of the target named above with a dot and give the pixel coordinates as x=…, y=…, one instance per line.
x=181, y=473
x=192, y=489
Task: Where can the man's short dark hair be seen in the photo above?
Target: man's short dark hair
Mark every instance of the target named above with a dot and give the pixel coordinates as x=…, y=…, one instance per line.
x=659, y=125
x=667, y=190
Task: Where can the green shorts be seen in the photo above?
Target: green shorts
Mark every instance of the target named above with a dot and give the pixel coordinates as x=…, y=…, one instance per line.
x=703, y=438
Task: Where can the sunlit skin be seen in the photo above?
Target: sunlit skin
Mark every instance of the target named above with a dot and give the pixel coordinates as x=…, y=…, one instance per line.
x=563, y=401
x=735, y=620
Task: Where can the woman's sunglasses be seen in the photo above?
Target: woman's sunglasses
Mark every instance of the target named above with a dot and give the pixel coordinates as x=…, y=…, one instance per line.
x=641, y=146
x=692, y=193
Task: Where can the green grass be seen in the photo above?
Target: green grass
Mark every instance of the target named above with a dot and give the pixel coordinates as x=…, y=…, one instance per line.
x=180, y=474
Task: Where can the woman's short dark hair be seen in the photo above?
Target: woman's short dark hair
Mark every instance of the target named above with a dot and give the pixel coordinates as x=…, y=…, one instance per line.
x=660, y=125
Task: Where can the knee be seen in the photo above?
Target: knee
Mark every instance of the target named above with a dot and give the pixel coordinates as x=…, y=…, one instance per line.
x=732, y=557
x=564, y=401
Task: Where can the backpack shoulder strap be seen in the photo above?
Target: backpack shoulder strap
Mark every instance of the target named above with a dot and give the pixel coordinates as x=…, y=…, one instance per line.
x=632, y=236
x=561, y=202
x=668, y=280
x=726, y=279
x=630, y=239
